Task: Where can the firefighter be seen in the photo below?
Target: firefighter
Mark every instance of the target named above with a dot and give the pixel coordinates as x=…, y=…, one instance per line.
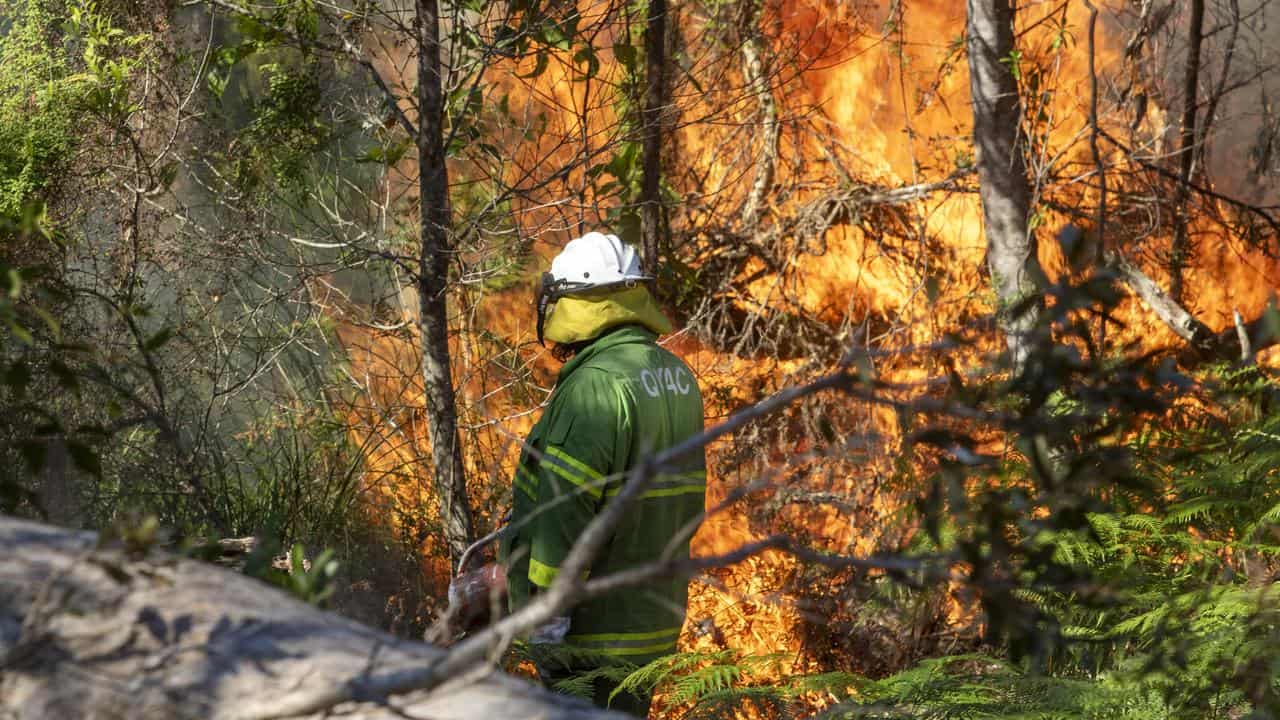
x=619, y=396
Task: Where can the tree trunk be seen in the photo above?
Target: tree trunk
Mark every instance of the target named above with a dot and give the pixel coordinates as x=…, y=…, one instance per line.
x=98, y=633
x=433, y=284
x=1181, y=248
x=1002, y=174
x=654, y=105
x=757, y=80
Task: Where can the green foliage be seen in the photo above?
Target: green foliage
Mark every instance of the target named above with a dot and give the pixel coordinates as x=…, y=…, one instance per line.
x=979, y=686
x=65, y=72
x=35, y=361
x=286, y=131
x=36, y=108
x=63, y=66
x=313, y=582
x=292, y=475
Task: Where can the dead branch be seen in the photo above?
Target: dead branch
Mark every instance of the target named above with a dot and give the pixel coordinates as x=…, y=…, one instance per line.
x=1241, y=341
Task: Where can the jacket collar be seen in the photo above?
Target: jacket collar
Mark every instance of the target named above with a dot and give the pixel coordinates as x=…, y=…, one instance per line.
x=621, y=335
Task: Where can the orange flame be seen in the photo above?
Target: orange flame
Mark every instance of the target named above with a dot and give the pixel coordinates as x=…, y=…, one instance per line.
x=889, y=95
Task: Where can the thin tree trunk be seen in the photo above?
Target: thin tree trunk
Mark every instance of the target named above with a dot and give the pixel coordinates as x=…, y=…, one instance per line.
x=1002, y=174
x=754, y=72
x=654, y=102
x=1100, y=214
x=433, y=279
x=1186, y=152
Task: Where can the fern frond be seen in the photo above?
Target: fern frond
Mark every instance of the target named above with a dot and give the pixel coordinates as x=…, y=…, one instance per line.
x=704, y=681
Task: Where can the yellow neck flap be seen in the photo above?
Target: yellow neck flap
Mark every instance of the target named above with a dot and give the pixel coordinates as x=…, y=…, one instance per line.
x=585, y=317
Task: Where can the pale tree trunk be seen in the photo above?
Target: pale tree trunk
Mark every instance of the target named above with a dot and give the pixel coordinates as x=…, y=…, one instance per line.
x=1002, y=173
x=757, y=79
x=433, y=280
x=654, y=101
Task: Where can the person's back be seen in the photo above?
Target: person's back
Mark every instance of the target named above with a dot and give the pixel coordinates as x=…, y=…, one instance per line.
x=621, y=398
x=660, y=407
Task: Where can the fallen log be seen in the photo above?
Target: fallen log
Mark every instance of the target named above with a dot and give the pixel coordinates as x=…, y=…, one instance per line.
x=95, y=631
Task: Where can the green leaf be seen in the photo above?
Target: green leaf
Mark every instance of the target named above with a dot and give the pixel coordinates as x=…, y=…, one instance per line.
x=1014, y=62
x=21, y=333
x=50, y=322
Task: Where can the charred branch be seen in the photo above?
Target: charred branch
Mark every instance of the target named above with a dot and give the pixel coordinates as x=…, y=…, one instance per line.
x=1262, y=213
x=846, y=207
x=731, y=322
x=1169, y=310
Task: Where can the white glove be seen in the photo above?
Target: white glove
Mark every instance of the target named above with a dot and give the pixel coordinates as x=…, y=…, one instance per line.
x=552, y=632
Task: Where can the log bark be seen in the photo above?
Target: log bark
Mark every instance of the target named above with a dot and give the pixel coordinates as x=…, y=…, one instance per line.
x=1002, y=173
x=99, y=632
x=433, y=282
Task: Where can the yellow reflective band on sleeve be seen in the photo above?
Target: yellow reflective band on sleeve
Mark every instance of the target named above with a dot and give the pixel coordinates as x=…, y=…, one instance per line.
x=541, y=574
x=629, y=643
x=573, y=462
x=585, y=477
x=665, y=492
x=526, y=484
x=639, y=649
x=677, y=490
x=671, y=488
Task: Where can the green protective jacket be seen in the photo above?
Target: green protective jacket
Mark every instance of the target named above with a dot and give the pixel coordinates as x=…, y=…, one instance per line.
x=619, y=399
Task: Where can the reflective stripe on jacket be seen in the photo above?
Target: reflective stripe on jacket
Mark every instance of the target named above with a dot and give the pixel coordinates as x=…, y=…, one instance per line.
x=619, y=399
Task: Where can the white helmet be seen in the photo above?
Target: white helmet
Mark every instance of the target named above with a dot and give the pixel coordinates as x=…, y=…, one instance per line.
x=591, y=262
x=596, y=259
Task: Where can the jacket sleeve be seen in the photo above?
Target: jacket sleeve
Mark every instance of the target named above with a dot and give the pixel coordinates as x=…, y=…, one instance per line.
x=587, y=431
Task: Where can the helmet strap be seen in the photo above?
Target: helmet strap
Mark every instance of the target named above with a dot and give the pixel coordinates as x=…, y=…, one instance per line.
x=543, y=300
x=549, y=289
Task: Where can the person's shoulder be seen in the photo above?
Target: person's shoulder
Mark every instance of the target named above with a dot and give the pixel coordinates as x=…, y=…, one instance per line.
x=588, y=379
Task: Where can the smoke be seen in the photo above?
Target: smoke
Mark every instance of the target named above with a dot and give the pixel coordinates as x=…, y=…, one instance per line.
x=1242, y=147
